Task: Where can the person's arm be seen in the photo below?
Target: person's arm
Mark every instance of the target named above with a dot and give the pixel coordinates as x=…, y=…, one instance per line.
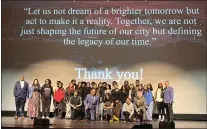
x=42, y=90
x=30, y=92
x=52, y=92
x=71, y=103
x=80, y=103
x=110, y=107
x=171, y=96
x=86, y=102
x=152, y=97
x=66, y=95
x=120, y=95
x=63, y=94
x=15, y=89
x=27, y=90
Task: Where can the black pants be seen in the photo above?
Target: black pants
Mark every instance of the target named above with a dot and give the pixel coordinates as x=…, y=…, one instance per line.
x=20, y=103
x=76, y=113
x=160, y=107
x=126, y=115
x=58, y=108
x=169, y=111
x=46, y=107
x=139, y=115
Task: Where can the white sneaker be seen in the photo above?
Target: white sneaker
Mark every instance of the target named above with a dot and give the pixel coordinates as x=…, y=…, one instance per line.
x=47, y=117
x=43, y=117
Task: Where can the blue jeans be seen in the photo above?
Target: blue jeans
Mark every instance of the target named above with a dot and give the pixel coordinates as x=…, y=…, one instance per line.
x=150, y=111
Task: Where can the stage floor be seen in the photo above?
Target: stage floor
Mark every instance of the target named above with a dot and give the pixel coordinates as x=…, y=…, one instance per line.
x=63, y=123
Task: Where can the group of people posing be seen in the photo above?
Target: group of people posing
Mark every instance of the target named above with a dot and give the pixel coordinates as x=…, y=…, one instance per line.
x=95, y=102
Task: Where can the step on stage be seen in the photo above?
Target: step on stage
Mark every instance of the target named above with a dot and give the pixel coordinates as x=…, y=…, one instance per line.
x=63, y=123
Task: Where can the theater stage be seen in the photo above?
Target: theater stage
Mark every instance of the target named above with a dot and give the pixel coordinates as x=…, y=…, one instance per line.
x=63, y=123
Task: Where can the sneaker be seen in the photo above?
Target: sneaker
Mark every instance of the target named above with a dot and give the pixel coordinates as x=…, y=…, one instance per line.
x=159, y=120
x=22, y=117
x=16, y=117
x=115, y=118
x=111, y=120
x=47, y=117
x=43, y=117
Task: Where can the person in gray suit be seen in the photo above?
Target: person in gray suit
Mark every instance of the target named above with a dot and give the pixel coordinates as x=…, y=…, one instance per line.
x=21, y=93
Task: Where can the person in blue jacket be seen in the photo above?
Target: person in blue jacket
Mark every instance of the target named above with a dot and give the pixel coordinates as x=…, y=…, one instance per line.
x=149, y=99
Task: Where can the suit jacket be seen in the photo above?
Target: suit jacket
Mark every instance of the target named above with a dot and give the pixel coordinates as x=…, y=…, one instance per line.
x=21, y=92
x=92, y=102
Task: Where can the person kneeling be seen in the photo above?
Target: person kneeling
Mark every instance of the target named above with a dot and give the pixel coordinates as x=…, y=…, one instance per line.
x=108, y=106
x=91, y=105
x=128, y=110
x=140, y=106
x=75, y=103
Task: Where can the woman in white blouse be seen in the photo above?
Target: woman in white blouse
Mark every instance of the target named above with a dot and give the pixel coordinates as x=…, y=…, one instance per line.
x=159, y=98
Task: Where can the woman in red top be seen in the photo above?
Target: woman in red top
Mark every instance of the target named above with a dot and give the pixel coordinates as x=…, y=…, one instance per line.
x=59, y=95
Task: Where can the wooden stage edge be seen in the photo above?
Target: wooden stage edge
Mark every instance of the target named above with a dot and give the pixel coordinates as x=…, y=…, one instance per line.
x=10, y=122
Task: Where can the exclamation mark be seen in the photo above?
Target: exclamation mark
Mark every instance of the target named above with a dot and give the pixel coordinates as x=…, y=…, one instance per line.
x=141, y=72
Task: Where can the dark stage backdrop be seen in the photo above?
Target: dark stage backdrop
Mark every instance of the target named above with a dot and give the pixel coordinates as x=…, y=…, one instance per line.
x=179, y=60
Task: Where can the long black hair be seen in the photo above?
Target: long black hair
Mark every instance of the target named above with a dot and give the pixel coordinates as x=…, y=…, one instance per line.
x=109, y=99
x=38, y=84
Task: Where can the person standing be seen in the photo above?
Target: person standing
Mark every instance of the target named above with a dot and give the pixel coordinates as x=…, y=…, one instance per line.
x=21, y=93
x=46, y=95
x=169, y=100
x=132, y=92
x=149, y=99
x=126, y=84
x=159, y=98
x=33, y=108
x=124, y=95
x=69, y=93
x=59, y=96
x=91, y=105
x=116, y=97
x=86, y=90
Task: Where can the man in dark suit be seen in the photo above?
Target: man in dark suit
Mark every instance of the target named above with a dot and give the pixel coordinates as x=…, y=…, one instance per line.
x=21, y=93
